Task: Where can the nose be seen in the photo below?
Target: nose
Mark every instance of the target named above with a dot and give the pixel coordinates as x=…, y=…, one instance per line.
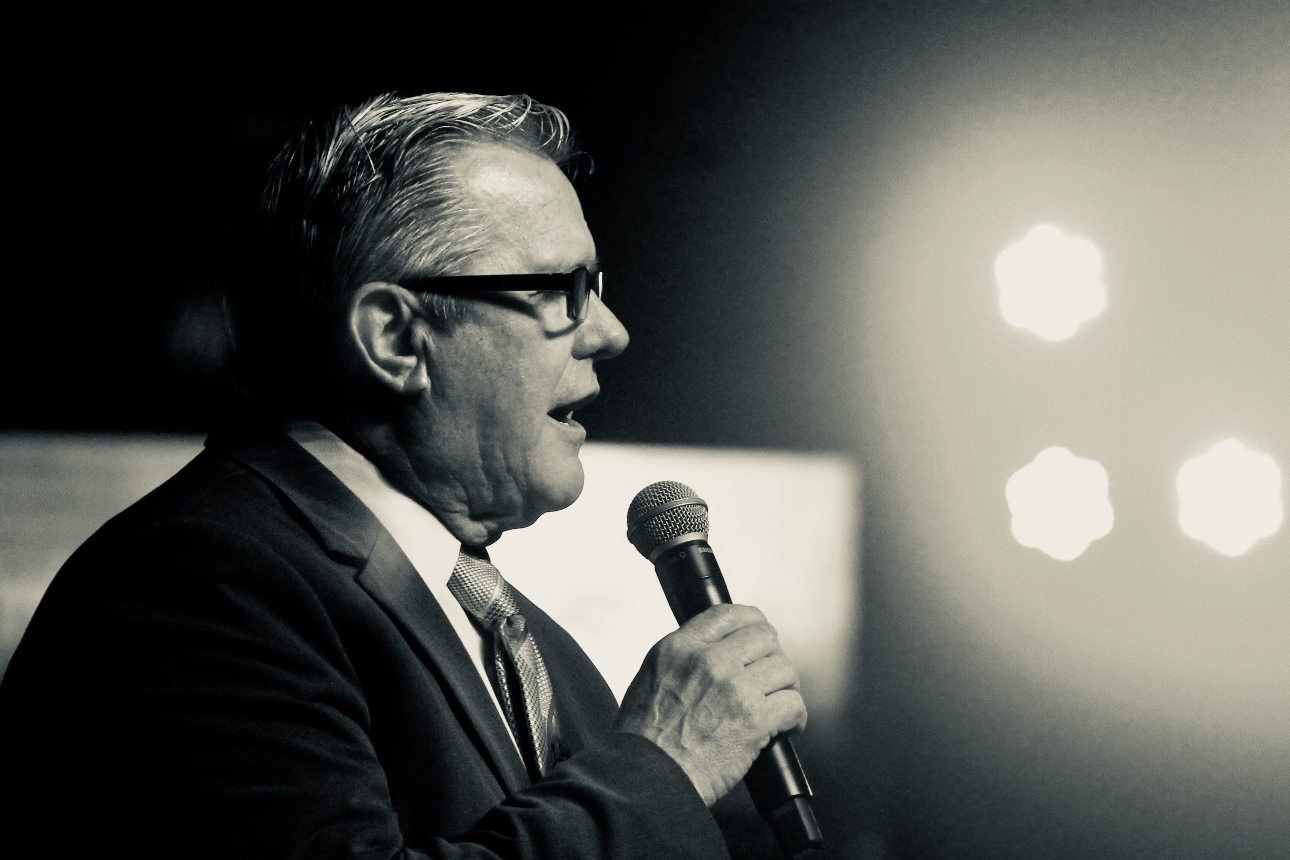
x=601, y=335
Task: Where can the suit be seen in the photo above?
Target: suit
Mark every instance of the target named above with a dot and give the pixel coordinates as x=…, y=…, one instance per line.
x=245, y=664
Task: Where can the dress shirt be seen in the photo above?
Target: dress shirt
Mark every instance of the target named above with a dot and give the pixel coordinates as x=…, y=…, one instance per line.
x=423, y=538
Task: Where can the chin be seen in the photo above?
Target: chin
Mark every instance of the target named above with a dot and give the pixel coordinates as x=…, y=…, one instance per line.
x=556, y=489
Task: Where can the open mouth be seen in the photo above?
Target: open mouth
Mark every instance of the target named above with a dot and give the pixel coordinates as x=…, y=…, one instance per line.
x=564, y=412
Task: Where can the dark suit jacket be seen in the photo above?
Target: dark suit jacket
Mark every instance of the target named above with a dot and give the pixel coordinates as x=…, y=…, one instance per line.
x=244, y=664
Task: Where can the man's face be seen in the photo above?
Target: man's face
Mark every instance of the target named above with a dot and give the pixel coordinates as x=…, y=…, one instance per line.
x=499, y=439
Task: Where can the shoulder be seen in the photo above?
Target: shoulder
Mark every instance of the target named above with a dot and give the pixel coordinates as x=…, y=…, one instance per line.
x=215, y=517
x=216, y=552
x=214, y=489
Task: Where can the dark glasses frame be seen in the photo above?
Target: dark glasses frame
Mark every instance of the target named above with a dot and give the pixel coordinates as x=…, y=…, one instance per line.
x=577, y=286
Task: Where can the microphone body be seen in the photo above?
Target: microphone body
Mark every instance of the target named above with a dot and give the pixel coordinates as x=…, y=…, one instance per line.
x=691, y=578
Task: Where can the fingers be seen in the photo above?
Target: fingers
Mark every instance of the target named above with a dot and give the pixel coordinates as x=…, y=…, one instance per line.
x=733, y=634
x=712, y=694
x=772, y=674
x=718, y=622
x=749, y=644
x=786, y=711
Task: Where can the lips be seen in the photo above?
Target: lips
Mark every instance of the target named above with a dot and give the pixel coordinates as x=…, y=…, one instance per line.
x=564, y=412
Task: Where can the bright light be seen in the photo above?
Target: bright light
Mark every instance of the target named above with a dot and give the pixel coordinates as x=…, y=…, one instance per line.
x=1059, y=503
x=1050, y=282
x=1230, y=497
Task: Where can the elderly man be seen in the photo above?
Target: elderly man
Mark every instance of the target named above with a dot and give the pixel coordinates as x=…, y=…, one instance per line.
x=297, y=646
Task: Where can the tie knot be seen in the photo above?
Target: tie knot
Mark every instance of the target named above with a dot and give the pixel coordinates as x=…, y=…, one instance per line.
x=480, y=588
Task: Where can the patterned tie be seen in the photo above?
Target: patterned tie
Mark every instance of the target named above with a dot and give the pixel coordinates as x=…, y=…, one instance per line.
x=481, y=591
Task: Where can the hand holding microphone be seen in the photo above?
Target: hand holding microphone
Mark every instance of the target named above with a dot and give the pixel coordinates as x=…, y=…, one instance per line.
x=718, y=695
x=712, y=695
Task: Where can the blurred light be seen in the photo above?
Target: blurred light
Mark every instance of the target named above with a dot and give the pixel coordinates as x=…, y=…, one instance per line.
x=1059, y=503
x=1230, y=497
x=1050, y=282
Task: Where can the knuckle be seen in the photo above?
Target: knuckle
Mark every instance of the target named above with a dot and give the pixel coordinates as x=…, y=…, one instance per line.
x=802, y=717
x=658, y=652
x=783, y=675
x=768, y=638
x=723, y=610
x=700, y=662
x=666, y=650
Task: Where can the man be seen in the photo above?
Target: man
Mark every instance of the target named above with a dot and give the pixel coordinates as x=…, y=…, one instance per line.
x=284, y=650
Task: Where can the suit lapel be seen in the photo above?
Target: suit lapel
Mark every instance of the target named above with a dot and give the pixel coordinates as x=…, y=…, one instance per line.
x=392, y=582
x=346, y=528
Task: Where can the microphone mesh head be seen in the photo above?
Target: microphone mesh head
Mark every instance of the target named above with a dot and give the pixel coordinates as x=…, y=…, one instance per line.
x=647, y=532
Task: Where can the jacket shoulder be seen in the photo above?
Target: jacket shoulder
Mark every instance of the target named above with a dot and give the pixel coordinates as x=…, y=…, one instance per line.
x=213, y=486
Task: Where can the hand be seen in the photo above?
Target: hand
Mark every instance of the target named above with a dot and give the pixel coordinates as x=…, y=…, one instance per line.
x=713, y=694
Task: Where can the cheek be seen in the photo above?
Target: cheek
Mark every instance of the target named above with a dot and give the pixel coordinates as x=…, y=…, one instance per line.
x=513, y=381
x=515, y=410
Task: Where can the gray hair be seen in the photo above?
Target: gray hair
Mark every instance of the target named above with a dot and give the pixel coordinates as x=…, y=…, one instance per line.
x=365, y=194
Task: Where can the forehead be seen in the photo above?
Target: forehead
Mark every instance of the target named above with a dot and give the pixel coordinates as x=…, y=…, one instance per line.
x=528, y=206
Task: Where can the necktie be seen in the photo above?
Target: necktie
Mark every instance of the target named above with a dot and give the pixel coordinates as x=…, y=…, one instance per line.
x=523, y=685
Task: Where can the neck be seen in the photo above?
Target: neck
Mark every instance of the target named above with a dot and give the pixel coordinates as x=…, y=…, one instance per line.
x=390, y=447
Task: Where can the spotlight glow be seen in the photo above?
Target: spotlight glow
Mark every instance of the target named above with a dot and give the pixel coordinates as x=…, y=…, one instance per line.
x=1230, y=497
x=1059, y=503
x=1050, y=283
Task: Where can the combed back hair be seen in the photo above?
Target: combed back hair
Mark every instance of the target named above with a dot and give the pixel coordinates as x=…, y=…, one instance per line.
x=367, y=193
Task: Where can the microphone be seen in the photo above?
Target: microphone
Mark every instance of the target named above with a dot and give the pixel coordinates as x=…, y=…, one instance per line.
x=668, y=524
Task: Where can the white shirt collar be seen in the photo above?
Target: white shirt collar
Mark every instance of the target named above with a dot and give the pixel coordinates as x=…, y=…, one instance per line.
x=426, y=542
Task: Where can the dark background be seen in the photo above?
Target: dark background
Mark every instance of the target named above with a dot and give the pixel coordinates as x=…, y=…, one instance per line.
x=738, y=149
x=713, y=145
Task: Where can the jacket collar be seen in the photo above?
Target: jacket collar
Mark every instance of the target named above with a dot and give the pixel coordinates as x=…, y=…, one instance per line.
x=346, y=528
x=343, y=524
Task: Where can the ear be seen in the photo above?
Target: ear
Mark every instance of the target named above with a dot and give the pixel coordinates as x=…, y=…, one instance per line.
x=389, y=338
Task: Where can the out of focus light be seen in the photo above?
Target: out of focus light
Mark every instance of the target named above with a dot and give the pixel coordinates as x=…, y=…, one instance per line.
x=1230, y=497
x=1059, y=503
x=1050, y=283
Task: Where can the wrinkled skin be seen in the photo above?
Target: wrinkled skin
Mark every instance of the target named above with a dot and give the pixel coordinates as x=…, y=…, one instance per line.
x=713, y=694
x=485, y=439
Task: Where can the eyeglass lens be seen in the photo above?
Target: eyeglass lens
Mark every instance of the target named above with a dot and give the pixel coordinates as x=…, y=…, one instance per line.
x=580, y=295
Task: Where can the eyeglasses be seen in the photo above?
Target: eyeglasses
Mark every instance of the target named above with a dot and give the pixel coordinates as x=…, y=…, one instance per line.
x=577, y=286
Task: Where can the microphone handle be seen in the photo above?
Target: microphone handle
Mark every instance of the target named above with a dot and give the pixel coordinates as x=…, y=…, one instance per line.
x=693, y=582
